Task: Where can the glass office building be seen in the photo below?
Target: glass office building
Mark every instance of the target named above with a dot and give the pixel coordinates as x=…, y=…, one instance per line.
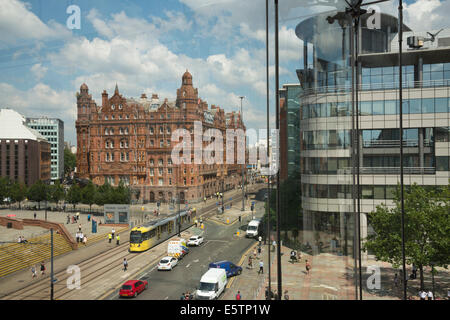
x=53, y=131
x=327, y=134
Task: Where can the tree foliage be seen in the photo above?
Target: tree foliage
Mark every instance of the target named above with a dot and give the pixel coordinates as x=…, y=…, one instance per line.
x=18, y=192
x=427, y=229
x=70, y=161
x=38, y=192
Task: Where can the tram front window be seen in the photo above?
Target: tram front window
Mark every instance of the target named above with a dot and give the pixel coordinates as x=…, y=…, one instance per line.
x=135, y=237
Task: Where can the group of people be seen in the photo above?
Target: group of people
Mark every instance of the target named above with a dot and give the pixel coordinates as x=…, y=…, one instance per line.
x=34, y=272
x=273, y=295
x=75, y=218
x=81, y=238
x=21, y=239
x=424, y=295
x=111, y=237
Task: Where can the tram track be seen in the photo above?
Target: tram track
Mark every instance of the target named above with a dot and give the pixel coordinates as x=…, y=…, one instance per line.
x=92, y=268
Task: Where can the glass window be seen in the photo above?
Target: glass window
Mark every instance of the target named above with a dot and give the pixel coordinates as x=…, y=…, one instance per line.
x=442, y=163
x=428, y=106
x=441, y=104
x=332, y=166
x=367, y=192
x=378, y=192
x=378, y=107
x=442, y=134
x=366, y=108
x=414, y=106
x=390, y=107
x=390, y=192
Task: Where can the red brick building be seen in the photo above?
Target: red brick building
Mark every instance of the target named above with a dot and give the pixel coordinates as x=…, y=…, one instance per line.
x=129, y=140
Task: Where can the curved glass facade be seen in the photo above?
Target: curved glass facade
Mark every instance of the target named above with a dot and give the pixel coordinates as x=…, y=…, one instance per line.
x=328, y=141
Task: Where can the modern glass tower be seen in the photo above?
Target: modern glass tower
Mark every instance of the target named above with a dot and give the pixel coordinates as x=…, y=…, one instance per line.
x=329, y=141
x=53, y=130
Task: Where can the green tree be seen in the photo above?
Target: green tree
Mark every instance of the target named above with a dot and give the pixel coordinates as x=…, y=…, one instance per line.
x=74, y=195
x=4, y=188
x=88, y=194
x=427, y=229
x=18, y=192
x=38, y=192
x=70, y=161
x=56, y=192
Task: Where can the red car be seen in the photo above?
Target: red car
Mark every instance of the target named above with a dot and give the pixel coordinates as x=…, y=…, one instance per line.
x=132, y=288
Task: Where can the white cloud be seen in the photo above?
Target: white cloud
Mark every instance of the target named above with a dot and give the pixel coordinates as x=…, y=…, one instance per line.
x=39, y=71
x=19, y=24
x=42, y=100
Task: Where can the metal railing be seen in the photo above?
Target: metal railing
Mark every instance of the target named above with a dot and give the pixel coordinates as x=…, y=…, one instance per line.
x=389, y=170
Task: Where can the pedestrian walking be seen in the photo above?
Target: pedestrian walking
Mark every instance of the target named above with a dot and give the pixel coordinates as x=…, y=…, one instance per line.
x=187, y=296
x=430, y=295
x=81, y=237
x=286, y=296
x=250, y=262
x=414, y=271
x=78, y=216
x=89, y=217
x=125, y=264
x=183, y=296
x=68, y=219
x=42, y=268
x=238, y=295
x=274, y=244
x=275, y=295
x=254, y=253
x=260, y=240
x=79, y=227
x=259, y=252
x=396, y=280
x=85, y=241
x=117, y=240
x=308, y=267
x=33, y=272
x=77, y=236
x=110, y=237
x=113, y=232
x=35, y=215
x=261, y=267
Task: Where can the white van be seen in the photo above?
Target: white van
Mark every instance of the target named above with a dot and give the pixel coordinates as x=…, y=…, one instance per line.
x=253, y=228
x=177, y=248
x=212, y=284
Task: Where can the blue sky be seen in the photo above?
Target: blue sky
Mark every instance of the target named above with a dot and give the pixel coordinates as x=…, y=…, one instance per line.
x=145, y=46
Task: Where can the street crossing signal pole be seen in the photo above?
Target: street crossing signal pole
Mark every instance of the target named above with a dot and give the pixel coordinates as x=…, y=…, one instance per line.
x=277, y=117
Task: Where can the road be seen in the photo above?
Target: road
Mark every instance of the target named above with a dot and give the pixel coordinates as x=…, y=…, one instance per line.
x=221, y=243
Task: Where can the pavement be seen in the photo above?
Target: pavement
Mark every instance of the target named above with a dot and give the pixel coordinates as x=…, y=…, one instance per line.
x=331, y=278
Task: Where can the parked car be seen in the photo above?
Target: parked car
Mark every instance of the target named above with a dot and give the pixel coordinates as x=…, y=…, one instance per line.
x=167, y=263
x=195, y=241
x=132, y=288
x=230, y=268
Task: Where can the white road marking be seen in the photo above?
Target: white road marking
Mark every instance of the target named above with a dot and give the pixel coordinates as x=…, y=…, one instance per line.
x=166, y=298
x=188, y=265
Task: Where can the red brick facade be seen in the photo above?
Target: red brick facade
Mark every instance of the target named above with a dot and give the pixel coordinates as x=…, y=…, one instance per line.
x=129, y=140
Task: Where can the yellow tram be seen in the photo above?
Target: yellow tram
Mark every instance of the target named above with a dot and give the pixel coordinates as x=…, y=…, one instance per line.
x=150, y=234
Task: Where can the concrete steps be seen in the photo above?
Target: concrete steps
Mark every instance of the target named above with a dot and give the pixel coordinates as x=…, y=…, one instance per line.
x=18, y=256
